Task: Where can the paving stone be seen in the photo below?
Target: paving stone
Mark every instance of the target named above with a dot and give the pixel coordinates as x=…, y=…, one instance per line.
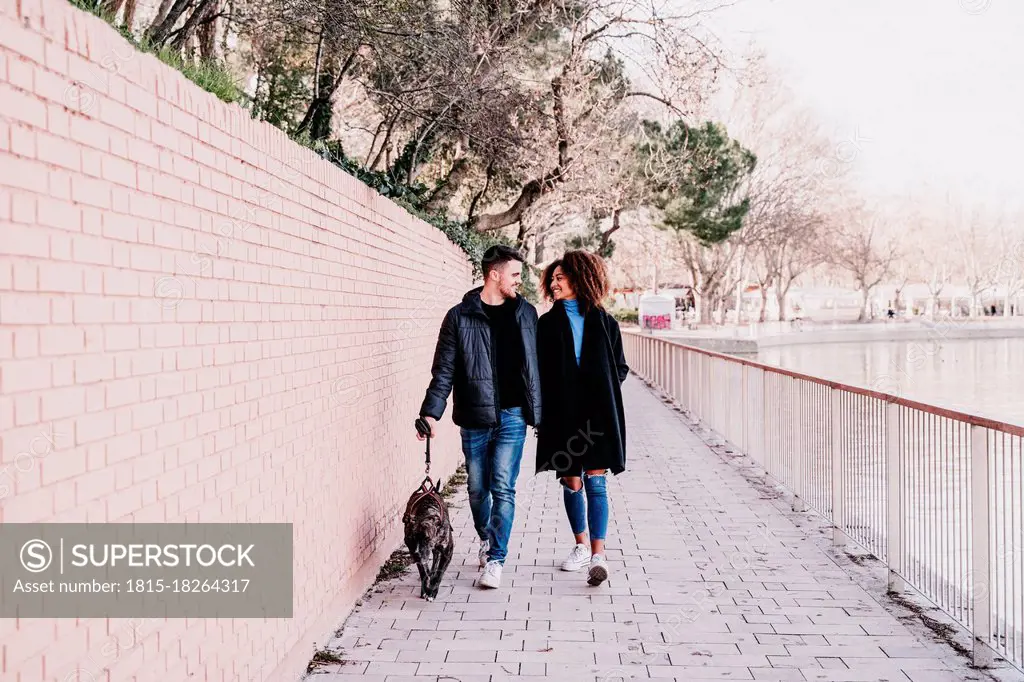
x=709, y=580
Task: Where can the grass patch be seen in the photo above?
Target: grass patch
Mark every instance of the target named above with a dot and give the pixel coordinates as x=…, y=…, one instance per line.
x=323, y=657
x=859, y=559
x=395, y=566
x=457, y=480
x=944, y=632
x=211, y=76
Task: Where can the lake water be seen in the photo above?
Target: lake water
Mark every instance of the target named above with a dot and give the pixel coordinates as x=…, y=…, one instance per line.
x=984, y=377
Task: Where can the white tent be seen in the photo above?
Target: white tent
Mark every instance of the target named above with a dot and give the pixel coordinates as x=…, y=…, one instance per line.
x=656, y=311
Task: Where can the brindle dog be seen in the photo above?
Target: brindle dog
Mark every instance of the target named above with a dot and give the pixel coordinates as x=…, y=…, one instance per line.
x=428, y=530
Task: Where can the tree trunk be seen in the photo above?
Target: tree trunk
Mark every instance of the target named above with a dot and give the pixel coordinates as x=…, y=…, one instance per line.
x=606, y=236
x=161, y=14
x=112, y=8
x=158, y=33
x=385, y=147
x=863, y=316
x=709, y=305
x=317, y=118
x=208, y=34
x=531, y=191
x=764, y=304
x=780, y=301
x=535, y=189
x=186, y=32
x=480, y=195
x=447, y=188
x=129, y=14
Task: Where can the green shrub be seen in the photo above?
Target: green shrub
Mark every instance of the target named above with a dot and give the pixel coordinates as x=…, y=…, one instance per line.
x=627, y=316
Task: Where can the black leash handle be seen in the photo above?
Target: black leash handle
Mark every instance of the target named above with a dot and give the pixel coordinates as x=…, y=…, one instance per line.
x=423, y=428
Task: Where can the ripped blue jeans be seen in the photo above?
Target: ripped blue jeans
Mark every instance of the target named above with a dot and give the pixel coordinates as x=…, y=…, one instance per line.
x=592, y=511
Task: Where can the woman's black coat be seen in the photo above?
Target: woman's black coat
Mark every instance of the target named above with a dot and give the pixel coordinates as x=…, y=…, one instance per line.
x=582, y=424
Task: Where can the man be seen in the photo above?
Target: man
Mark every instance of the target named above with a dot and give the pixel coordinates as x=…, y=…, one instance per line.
x=487, y=352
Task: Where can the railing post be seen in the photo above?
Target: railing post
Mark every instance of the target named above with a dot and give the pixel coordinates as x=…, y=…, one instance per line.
x=744, y=411
x=676, y=380
x=758, y=435
x=692, y=378
x=839, y=538
x=980, y=554
x=765, y=412
x=894, y=498
x=798, y=429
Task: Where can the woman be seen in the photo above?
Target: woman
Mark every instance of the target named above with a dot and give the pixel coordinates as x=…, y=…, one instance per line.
x=582, y=433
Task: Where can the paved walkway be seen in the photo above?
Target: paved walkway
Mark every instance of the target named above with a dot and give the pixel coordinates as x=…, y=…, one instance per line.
x=711, y=579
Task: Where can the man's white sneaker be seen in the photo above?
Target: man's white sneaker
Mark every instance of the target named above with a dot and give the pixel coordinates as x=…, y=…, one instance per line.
x=598, y=570
x=492, y=575
x=485, y=547
x=577, y=559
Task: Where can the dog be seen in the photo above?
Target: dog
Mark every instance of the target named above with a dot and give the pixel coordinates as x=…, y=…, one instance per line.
x=429, y=537
x=428, y=528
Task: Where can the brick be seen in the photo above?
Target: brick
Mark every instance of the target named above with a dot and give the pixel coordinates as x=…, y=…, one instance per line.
x=94, y=427
x=63, y=403
x=93, y=310
x=19, y=308
x=90, y=191
x=26, y=342
x=56, y=58
x=118, y=171
x=58, y=120
x=23, y=240
x=26, y=276
x=90, y=249
x=30, y=507
x=63, y=465
x=28, y=44
x=23, y=141
x=55, y=150
x=89, y=133
x=61, y=277
x=21, y=173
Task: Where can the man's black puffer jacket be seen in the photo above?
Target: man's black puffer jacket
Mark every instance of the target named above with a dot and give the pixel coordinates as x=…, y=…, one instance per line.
x=462, y=361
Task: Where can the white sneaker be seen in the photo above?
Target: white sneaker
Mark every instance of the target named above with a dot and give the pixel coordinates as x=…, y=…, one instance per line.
x=485, y=547
x=577, y=559
x=598, y=570
x=492, y=575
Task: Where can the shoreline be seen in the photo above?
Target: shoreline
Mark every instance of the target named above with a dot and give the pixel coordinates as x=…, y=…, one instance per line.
x=748, y=339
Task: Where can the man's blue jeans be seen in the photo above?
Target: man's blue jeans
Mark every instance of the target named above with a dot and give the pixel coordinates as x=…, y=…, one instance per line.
x=493, y=456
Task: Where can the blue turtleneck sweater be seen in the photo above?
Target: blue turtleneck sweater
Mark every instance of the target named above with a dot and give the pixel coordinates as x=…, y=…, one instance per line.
x=572, y=309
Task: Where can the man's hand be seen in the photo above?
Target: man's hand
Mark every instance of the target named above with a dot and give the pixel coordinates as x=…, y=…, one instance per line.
x=430, y=422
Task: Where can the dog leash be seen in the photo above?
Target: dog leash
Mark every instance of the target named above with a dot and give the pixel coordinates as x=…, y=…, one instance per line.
x=425, y=490
x=423, y=428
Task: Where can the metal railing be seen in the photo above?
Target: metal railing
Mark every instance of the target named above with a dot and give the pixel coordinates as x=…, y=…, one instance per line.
x=933, y=493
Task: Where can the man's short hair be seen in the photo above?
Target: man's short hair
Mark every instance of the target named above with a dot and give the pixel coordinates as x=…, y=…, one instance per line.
x=498, y=255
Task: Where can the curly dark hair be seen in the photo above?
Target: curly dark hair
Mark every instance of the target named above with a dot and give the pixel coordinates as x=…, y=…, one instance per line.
x=587, y=274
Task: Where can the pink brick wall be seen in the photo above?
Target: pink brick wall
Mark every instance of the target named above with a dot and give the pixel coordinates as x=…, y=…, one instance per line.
x=199, y=321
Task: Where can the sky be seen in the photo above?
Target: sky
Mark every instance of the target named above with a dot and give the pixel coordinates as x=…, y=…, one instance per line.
x=931, y=91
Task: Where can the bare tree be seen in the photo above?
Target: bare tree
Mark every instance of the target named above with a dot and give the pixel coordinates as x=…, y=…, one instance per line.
x=1009, y=270
x=787, y=189
x=590, y=82
x=858, y=245
x=978, y=251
